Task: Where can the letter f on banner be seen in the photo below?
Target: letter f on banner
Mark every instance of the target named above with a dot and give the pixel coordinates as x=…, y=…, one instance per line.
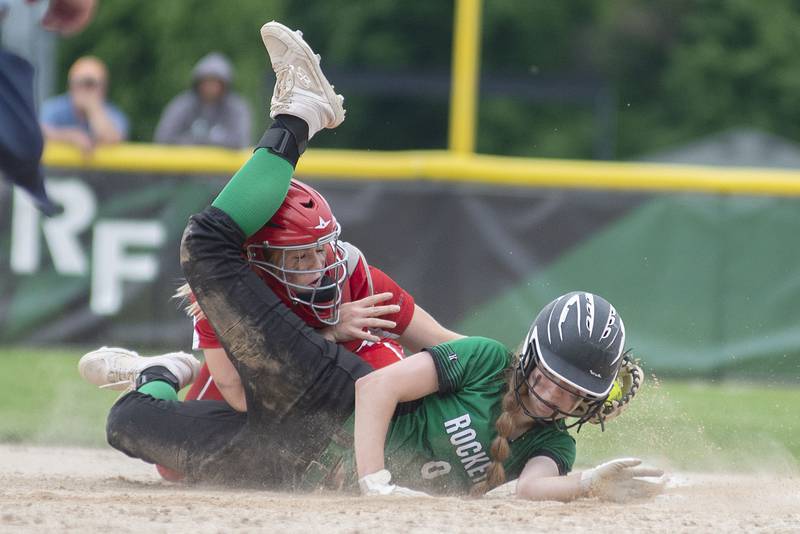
x=111, y=265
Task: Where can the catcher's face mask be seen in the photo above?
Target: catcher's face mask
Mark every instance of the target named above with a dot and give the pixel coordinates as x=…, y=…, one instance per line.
x=310, y=276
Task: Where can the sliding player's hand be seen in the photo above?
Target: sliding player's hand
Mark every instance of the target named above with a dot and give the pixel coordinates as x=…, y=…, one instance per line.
x=621, y=480
x=378, y=484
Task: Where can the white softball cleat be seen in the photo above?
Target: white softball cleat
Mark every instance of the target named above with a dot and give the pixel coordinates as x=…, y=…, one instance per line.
x=116, y=368
x=301, y=89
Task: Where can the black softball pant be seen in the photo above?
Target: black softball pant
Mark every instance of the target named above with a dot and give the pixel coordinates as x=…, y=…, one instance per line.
x=299, y=387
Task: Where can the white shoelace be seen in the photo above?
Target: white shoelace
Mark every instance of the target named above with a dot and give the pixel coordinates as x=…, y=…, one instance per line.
x=123, y=376
x=283, y=85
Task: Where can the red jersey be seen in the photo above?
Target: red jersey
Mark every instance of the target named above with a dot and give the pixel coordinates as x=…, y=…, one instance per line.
x=363, y=280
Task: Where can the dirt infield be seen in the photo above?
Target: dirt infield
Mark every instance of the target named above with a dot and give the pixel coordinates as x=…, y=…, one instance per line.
x=46, y=489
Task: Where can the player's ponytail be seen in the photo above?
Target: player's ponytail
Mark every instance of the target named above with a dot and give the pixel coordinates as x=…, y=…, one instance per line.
x=500, y=447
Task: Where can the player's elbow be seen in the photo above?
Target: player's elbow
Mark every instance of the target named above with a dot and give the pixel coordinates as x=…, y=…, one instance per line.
x=365, y=384
x=371, y=385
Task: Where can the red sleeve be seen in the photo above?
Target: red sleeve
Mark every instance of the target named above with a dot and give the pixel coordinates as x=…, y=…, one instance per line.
x=381, y=282
x=204, y=387
x=380, y=354
x=204, y=335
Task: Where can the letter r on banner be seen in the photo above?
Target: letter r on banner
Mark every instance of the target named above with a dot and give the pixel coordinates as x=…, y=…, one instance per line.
x=61, y=232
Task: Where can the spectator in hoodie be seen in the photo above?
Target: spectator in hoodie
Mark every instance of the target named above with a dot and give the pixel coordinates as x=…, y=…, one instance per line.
x=209, y=113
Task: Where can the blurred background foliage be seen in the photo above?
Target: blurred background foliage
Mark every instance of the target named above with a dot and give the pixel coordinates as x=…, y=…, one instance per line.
x=578, y=79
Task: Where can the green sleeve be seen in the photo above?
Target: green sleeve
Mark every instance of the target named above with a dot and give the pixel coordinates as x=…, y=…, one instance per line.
x=550, y=440
x=467, y=362
x=256, y=191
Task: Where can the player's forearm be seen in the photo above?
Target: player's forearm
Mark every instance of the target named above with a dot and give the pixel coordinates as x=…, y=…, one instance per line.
x=226, y=377
x=231, y=389
x=233, y=395
x=374, y=409
x=424, y=331
x=558, y=488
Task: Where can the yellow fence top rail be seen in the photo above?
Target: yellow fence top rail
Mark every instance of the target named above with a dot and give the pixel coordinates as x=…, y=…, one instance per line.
x=442, y=166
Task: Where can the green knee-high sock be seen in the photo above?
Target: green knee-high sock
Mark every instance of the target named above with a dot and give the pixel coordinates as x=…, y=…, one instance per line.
x=159, y=389
x=256, y=191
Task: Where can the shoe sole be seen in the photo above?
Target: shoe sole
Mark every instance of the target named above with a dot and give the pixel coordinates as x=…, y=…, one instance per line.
x=280, y=31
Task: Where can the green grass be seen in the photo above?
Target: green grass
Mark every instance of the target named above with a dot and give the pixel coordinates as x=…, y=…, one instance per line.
x=44, y=400
x=685, y=425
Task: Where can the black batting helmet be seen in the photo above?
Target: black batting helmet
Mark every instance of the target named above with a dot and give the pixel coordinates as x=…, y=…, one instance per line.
x=579, y=339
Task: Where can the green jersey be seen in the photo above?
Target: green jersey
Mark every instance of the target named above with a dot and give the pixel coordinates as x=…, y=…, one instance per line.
x=441, y=443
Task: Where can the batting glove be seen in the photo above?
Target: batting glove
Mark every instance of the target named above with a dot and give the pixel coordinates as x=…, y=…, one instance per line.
x=621, y=480
x=377, y=484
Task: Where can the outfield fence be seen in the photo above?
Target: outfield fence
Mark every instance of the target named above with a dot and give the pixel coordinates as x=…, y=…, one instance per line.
x=701, y=262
